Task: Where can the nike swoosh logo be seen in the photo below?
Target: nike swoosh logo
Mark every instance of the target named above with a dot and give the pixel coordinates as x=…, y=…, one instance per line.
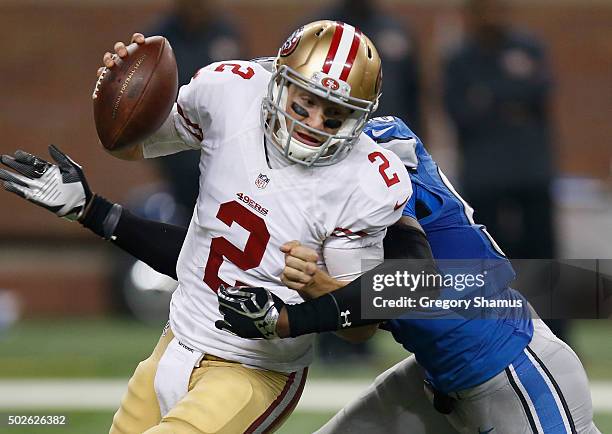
x=378, y=133
x=485, y=432
x=399, y=205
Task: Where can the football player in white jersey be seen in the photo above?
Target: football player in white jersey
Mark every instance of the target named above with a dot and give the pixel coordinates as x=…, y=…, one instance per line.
x=282, y=157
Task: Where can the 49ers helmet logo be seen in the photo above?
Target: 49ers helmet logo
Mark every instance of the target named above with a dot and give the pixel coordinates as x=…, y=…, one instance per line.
x=330, y=83
x=291, y=43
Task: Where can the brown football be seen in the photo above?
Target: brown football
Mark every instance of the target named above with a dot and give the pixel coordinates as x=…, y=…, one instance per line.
x=133, y=98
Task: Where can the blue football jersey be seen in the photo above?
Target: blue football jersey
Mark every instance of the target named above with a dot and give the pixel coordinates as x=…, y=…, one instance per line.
x=460, y=352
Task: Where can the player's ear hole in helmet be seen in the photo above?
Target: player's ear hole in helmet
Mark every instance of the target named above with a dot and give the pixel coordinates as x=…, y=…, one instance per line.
x=335, y=63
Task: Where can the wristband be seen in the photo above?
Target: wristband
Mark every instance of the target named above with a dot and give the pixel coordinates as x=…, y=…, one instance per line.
x=101, y=217
x=314, y=316
x=111, y=220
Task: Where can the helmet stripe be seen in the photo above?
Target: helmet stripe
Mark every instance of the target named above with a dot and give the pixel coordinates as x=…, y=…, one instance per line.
x=348, y=65
x=340, y=50
x=333, y=48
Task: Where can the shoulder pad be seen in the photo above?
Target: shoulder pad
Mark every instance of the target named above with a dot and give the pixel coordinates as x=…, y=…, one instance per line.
x=393, y=134
x=386, y=128
x=266, y=63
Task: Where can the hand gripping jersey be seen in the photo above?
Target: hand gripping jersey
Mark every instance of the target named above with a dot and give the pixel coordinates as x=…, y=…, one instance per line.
x=457, y=353
x=245, y=210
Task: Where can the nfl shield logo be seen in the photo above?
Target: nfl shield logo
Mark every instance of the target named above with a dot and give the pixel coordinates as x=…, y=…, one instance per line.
x=262, y=181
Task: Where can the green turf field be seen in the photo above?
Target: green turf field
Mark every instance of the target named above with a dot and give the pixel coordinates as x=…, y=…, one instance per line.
x=111, y=348
x=102, y=348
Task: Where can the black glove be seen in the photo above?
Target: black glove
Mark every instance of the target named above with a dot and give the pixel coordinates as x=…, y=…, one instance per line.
x=61, y=188
x=250, y=313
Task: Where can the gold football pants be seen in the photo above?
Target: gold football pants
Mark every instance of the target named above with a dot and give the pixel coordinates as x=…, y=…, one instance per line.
x=223, y=397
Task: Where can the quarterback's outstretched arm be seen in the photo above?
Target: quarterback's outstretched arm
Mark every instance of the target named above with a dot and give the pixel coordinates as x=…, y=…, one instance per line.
x=63, y=189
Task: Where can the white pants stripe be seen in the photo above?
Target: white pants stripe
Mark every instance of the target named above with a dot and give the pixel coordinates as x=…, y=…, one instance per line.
x=526, y=402
x=555, y=390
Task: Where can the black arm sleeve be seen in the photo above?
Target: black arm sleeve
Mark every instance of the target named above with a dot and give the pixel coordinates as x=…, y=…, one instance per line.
x=325, y=313
x=156, y=244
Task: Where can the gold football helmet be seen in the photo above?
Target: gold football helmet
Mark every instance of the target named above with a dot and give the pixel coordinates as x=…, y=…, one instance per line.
x=334, y=61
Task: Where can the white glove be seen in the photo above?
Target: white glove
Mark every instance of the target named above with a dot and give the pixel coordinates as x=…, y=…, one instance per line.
x=61, y=188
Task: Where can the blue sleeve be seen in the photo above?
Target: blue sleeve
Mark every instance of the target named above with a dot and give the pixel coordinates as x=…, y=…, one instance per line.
x=410, y=208
x=385, y=128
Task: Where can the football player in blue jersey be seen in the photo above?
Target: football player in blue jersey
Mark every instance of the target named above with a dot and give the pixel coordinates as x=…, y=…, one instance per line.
x=507, y=373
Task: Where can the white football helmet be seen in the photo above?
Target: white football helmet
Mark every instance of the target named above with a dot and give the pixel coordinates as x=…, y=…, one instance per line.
x=334, y=61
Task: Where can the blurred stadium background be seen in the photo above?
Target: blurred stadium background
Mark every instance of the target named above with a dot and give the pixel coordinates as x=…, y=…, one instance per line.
x=68, y=337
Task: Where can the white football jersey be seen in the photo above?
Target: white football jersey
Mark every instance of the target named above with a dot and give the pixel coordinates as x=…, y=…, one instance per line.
x=246, y=210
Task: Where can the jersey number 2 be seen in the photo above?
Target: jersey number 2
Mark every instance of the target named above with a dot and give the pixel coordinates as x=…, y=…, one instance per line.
x=250, y=72
x=383, y=167
x=250, y=257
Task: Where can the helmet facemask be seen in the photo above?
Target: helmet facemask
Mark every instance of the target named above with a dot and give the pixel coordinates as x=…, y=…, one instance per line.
x=279, y=125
